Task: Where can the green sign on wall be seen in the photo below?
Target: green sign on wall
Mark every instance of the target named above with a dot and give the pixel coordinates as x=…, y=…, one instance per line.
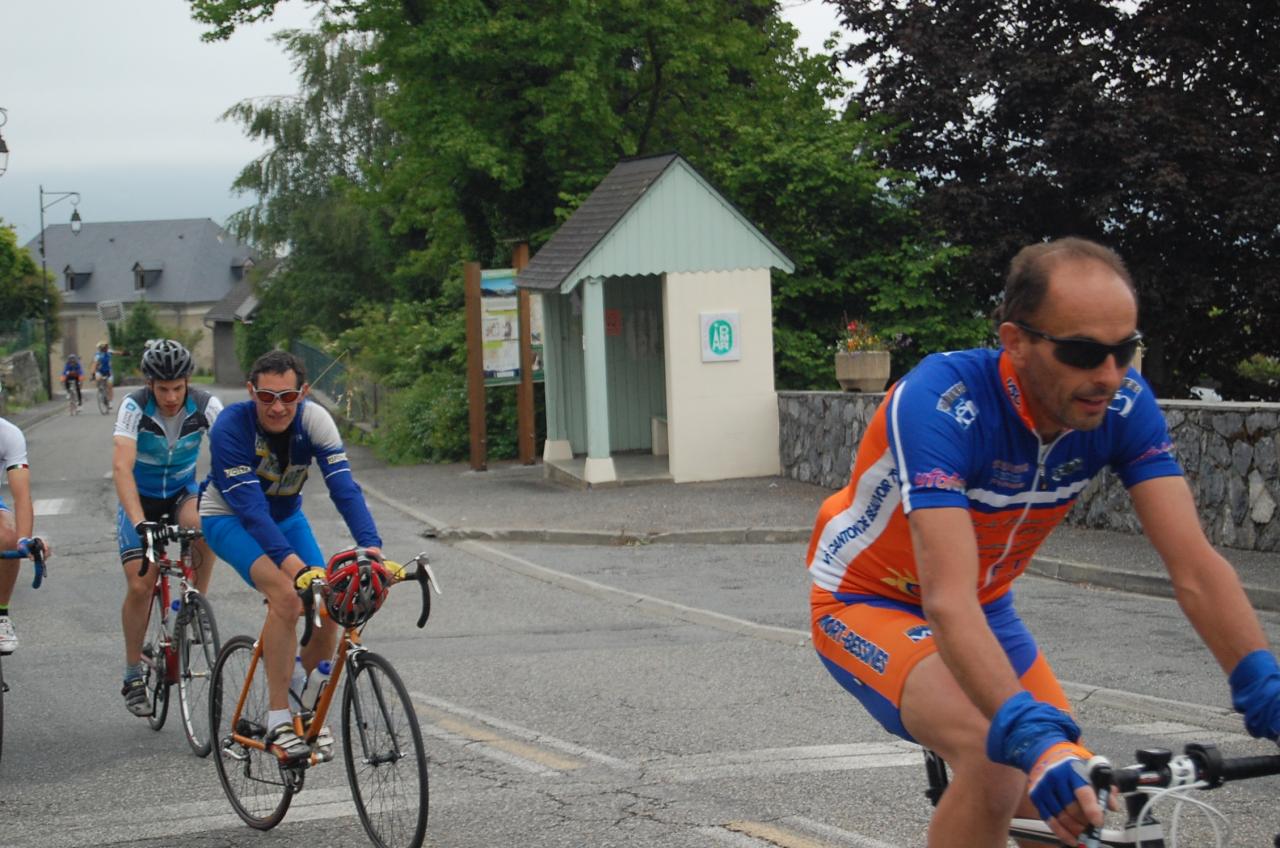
x=720, y=337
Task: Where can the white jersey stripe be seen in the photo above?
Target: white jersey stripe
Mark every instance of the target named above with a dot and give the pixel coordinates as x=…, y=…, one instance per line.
x=853, y=530
x=1050, y=496
x=903, y=477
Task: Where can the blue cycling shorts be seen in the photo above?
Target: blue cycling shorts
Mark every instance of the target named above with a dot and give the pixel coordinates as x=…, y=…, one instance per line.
x=870, y=646
x=153, y=509
x=233, y=544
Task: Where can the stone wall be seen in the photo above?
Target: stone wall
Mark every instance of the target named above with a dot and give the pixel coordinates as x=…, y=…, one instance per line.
x=20, y=375
x=1228, y=450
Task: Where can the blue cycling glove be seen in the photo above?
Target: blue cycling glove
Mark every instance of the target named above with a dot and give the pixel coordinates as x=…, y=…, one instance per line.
x=1040, y=739
x=1255, y=692
x=24, y=546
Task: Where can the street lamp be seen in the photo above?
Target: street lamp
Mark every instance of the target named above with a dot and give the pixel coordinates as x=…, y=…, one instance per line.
x=57, y=196
x=4, y=148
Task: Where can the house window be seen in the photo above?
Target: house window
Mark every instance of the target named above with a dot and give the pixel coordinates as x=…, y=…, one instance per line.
x=75, y=279
x=145, y=277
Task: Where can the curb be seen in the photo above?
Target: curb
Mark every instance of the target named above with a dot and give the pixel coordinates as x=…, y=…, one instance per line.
x=1157, y=585
x=722, y=536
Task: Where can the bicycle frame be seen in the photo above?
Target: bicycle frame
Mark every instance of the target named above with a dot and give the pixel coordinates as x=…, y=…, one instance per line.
x=165, y=568
x=307, y=728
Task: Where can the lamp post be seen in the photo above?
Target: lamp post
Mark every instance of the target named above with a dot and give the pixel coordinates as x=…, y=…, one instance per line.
x=57, y=196
x=4, y=148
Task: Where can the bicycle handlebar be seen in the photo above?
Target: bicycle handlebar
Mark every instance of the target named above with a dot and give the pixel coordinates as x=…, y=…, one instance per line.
x=36, y=553
x=153, y=544
x=1157, y=768
x=313, y=594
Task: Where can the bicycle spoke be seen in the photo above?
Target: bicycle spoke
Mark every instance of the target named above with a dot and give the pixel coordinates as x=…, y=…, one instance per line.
x=155, y=654
x=386, y=763
x=252, y=779
x=197, y=653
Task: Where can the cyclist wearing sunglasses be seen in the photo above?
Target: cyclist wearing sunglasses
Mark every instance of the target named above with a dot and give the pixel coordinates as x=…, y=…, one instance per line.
x=968, y=464
x=157, y=440
x=261, y=452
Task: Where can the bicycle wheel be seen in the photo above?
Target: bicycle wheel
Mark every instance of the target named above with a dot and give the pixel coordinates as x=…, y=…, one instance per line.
x=253, y=780
x=104, y=405
x=155, y=663
x=382, y=746
x=197, y=651
x=3, y=689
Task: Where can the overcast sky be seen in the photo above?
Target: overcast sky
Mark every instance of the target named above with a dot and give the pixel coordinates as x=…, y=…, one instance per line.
x=119, y=100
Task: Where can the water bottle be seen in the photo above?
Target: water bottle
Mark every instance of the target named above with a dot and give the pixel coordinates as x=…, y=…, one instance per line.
x=297, y=684
x=316, y=681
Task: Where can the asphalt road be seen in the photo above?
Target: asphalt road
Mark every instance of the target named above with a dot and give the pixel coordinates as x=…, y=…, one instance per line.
x=643, y=695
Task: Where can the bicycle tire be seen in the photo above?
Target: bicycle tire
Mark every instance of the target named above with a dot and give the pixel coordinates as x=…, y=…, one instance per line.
x=104, y=405
x=252, y=780
x=2, y=690
x=382, y=747
x=197, y=651
x=155, y=662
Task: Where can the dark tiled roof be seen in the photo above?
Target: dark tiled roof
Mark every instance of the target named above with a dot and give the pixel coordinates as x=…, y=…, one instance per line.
x=225, y=309
x=194, y=256
x=592, y=221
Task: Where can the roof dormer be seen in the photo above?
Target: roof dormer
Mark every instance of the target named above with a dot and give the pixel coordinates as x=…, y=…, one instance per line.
x=146, y=274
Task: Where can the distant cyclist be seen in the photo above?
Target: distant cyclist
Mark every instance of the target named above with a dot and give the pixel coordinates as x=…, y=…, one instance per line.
x=102, y=369
x=72, y=377
x=16, y=523
x=157, y=440
x=260, y=454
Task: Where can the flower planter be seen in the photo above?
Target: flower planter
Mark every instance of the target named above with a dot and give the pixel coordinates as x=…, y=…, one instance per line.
x=862, y=370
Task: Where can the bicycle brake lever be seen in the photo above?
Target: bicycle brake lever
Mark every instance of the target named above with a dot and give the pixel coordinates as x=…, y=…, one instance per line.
x=148, y=546
x=37, y=563
x=427, y=580
x=1100, y=780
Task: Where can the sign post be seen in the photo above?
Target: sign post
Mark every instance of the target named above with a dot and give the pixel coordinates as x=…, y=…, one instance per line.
x=525, y=425
x=475, y=367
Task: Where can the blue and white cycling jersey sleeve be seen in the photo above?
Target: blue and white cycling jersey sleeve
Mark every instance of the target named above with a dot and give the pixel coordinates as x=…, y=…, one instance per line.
x=930, y=430
x=1144, y=448
x=331, y=458
x=13, y=446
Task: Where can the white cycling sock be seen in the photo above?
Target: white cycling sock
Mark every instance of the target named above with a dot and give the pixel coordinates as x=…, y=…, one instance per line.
x=275, y=718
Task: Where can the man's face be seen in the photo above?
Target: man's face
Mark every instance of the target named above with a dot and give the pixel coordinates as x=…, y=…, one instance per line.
x=169, y=394
x=1085, y=299
x=274, y=414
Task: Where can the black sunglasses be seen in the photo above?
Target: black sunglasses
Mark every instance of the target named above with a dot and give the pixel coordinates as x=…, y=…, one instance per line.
x=269, y=397
x=1087, y=354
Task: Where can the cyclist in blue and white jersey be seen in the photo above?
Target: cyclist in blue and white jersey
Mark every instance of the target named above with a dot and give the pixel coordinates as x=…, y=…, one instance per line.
x=261, y=451
x=157, y=441
x=16, y=522
x=101, y=369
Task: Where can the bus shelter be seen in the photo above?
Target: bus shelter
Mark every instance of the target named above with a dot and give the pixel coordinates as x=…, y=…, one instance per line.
x=658, y=332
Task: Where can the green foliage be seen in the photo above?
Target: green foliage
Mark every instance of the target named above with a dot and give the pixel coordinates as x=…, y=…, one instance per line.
x=1148, y=126
x=1264, y=372
x=22, y=293
x=139, y=326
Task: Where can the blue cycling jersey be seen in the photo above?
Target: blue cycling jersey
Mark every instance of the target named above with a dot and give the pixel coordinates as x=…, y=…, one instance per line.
x=102, y=362
x=167, y=448
x=262, y=486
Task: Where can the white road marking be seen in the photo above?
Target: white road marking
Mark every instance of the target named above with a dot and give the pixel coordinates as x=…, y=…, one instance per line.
x=52, y=506
x=809, y=759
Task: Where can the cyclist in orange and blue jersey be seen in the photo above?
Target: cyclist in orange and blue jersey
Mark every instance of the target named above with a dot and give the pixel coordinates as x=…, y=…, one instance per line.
x=73, y=376
x=969, y=462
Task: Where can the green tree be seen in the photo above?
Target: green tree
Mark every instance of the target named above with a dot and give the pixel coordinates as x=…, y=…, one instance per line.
x=1149, y=126
x=22, y=293
x=139, y=326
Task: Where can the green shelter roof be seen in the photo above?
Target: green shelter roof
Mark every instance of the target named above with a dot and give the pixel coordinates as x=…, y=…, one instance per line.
x=651, y=215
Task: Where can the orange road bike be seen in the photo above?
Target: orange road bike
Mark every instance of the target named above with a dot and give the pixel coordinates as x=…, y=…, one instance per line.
x=181, y=644
x=381, y=739
x=36, y=556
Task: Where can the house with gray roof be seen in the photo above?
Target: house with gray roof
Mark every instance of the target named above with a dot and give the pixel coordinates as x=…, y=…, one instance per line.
x=183, y=268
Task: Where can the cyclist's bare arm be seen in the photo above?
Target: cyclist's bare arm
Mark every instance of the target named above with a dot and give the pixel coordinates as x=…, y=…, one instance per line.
x=123, y=457
x=946, y=552
x=1205, y=584
x=23, y=512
